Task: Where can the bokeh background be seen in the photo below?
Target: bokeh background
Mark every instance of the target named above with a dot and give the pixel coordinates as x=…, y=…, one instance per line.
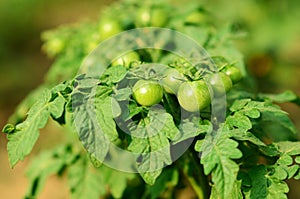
x=270, y=43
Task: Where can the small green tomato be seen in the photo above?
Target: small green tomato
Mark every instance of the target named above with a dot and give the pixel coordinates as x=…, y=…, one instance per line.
x=147, y=92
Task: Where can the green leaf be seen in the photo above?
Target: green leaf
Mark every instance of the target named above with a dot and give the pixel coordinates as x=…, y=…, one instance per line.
x=57, y=107
x=115, y=180
x=123, y=94
x=21, y=142
x=285, y=160
x=150, y=177
x=242, y=135
x=47, y=163
x=217, y=155
x=277, y=189
x=150, y=142
x=94, y=121
x=84, y=180
x=190, y=129
x=286, y=96
x=114, y=74
x=258, y=182
x=239, y=120
x=297, y=159
x=235, y=194
x=289, y=148
x=239, y=104
x=270, y=150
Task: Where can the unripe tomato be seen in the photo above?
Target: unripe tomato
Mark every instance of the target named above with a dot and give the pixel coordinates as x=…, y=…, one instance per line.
x=108, y=28
x=126, y=59
x=220, y=83
x=172, y=80
x=194, y=96
x=234, y=73
x=151, y=17
x=147, y=92
x=159, y=17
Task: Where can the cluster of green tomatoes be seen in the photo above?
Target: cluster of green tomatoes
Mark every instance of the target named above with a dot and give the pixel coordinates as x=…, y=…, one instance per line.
x=192, y=96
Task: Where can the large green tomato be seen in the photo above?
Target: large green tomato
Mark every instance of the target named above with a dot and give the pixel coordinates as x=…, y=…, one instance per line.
x=234, y=73
x=194, y=96
x=220, y=83
x=126, y=59
x=147, y=92
x=172, y=80
x=108, y=28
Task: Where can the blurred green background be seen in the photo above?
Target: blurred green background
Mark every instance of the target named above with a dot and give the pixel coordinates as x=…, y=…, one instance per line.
x=269, y=39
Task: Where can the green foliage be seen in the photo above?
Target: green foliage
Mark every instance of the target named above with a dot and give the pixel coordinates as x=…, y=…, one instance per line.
x=249, y=154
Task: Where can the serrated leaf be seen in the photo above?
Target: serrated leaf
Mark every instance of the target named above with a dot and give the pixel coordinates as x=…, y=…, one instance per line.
x=217, y=155
x=21, y=142
x=235, y=194
x=270, y=150
x=239, y=120
x=280, y=173
x=115, y=180
x=114, y=74
x=85, y=181
x=245, y=136
x=292, y=170
x=297, y=159
x=286, y=96
x=272, y=113
x=150, y=142
x=94, y=122
x=285, y=160
x=150, y=177
x=277, y=189
x=289, y=148
x=239, y=104
x=258, y=182
x=45, y=164
x=123, y=94
x=189, y=129
x=57, y=106
x=252, y=113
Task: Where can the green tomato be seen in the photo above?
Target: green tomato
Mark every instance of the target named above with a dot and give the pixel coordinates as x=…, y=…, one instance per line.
x=172, y=80
x=108, y=28
x=147, y=92
x=220, y=83
x=194, y=96
x=159, y=17
x=151, y=17
x=126, y=59
x=234, y=73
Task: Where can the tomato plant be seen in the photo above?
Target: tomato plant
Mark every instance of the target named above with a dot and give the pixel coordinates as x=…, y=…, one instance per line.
x=155, y=128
